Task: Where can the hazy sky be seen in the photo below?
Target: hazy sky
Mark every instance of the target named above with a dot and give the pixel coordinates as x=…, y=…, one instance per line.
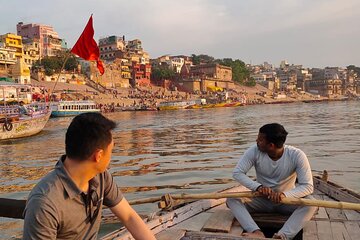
x=315, y=33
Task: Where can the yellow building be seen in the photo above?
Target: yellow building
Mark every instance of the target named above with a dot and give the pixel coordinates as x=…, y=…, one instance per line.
x=31, y=52
x=13, y=41
x=21, y=72
x=7, y=57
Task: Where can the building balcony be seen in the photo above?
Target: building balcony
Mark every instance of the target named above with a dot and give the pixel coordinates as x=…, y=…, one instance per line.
x=14, y=45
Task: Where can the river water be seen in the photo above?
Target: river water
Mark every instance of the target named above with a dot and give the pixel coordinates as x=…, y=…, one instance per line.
x=190, y=151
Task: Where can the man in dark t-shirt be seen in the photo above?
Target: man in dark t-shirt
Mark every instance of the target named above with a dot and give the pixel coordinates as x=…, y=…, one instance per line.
x=67, y=203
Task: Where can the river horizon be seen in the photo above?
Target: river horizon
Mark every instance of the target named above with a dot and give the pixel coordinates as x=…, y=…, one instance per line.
x=191, y=151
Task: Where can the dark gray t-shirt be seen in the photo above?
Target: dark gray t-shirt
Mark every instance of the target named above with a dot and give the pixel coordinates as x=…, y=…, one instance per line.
x=57, y=209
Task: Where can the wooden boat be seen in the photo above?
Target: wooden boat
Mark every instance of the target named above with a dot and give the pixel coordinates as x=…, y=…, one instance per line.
x=16, y=119
x=13, y=125
x=175, y=105
x=211, y=219
x=73, y=108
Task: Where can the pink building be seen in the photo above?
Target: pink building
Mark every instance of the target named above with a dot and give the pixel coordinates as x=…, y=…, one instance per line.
x=49, y=40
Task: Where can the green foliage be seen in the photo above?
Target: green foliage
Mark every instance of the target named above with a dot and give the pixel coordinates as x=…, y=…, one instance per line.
x=240, y=73
x=202, y=59
x=354, y=68
x=162, y=72
x=251, y=82
x=53, y=64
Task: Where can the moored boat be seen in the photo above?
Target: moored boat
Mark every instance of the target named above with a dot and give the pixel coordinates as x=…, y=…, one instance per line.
x=174, y=105
x=73, y=108
x=211, y=219
x=18, y=126
x=16, y=119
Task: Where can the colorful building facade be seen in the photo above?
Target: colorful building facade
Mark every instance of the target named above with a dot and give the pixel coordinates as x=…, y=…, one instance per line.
x=49, y=41
x=13, y=41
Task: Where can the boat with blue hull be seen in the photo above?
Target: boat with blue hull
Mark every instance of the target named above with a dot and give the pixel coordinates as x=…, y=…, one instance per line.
x=73, y=108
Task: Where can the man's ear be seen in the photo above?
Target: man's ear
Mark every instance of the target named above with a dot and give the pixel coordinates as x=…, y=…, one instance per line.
x=98, y=155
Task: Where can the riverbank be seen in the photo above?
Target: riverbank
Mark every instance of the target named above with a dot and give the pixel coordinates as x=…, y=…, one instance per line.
x=153, y=95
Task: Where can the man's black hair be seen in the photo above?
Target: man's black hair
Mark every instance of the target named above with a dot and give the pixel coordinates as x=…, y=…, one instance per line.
x=87, y=133
x=274, y=133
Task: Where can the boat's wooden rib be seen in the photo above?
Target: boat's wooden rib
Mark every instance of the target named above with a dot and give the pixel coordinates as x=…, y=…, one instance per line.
x=269, y=219
x=336, y=191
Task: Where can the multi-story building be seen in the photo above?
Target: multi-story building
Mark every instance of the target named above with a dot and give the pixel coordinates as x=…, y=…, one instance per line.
x=173, y=63
x=20, y=72
x=325, y=87
x=7, y=57
x=141, y=74
x=49, y=41
x=125, y=69
x=13, y=41
x=134, y=46
x=136, y=53
x=31, y=51
x=212, y=70
x=111, y=48
x=303, y=76
x=258, y=77
x=206, y=77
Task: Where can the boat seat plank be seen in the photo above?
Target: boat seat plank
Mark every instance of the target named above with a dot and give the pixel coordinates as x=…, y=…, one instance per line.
x=194, y=223
x=310, y=231
x=220, y=221
x=323, y=230
x=353, y=228
x=352, y=215
x=236, y=230
x=335, y=214
x=173, y=234
x=321, y=213
x=220, y=207
x=339, y=231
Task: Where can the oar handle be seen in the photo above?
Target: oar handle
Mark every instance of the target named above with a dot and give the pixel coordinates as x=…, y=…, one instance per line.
x=286, y=200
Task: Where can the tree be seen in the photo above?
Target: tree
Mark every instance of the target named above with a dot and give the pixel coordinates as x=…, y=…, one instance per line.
x=354, y=68
x=162, y=72
x=202, y=59
x=53, y=64
x=240, y=73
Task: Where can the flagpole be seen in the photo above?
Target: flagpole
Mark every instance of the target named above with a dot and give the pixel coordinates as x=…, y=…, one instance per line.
x=62, y=68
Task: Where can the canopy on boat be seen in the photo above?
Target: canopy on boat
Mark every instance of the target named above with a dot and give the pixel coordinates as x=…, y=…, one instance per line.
x=214, y=89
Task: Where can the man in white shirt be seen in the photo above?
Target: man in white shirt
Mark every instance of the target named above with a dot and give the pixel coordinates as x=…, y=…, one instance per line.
x=277, y=167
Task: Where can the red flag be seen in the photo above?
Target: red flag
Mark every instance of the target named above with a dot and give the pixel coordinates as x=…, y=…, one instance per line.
x=87, y=48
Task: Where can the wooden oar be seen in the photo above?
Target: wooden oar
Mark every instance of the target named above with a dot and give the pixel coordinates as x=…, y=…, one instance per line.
x=13, y=208
x=286, y=200
x=144, y=200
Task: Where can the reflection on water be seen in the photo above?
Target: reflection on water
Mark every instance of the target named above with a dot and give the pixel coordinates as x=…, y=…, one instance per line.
x=192, y=150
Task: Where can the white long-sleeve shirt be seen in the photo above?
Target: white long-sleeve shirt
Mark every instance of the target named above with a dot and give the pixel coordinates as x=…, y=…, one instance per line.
x=279, y=175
